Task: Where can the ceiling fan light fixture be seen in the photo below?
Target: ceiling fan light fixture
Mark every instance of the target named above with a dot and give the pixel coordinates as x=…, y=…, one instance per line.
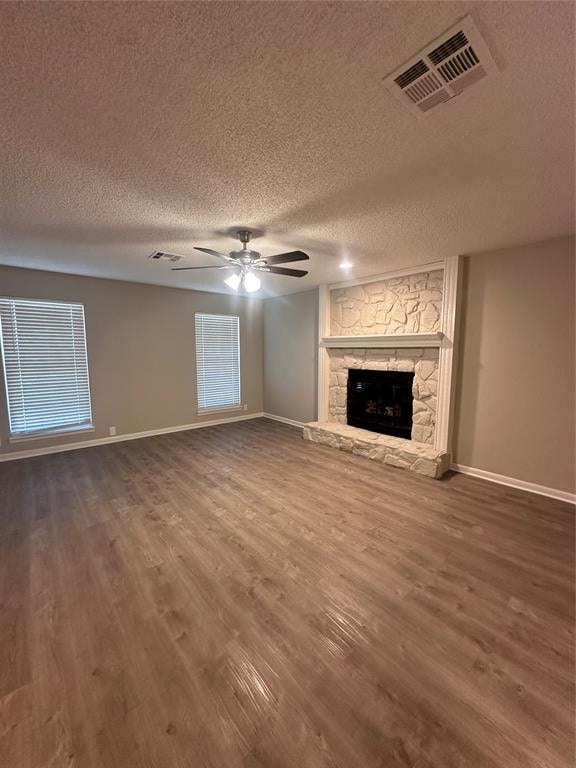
x=251, y=282
x=233, y=281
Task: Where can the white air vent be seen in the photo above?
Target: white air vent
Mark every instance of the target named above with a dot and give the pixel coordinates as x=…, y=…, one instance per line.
x=449, y=65
x=161, y=256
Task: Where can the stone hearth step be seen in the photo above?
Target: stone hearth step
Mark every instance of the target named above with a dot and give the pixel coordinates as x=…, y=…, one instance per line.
x=394, y=451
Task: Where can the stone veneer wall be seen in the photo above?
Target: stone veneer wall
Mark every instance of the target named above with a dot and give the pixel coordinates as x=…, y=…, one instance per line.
x=424, y=363
x=410, y=304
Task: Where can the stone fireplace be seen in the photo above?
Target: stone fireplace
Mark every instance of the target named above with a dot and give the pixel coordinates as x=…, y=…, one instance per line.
x=423, y=363
x=386, y=367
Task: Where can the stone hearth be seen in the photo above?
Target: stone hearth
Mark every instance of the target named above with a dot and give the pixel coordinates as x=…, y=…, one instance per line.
x=393, y=451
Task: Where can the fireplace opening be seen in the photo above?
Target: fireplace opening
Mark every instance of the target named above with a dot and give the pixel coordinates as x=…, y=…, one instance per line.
x=380, y=401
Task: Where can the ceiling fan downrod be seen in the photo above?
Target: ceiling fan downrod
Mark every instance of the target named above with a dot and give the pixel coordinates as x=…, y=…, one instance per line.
x=244, y=235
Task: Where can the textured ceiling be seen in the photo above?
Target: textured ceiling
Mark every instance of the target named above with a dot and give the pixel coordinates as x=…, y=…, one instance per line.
x=129, y=127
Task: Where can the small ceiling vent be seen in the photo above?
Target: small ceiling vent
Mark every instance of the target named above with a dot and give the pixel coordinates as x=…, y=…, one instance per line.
x=449, y=65
x=161, y=256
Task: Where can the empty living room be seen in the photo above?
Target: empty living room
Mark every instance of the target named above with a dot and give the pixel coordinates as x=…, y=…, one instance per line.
x=287, y=384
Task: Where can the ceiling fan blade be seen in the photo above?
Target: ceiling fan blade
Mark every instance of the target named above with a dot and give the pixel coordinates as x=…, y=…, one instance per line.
x=181, y=269
x=282, y=271
x=283, y=258
x=213, y=253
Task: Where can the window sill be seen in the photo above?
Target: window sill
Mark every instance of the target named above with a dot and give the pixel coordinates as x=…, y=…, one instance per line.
x=219, y=409
x=24, y=438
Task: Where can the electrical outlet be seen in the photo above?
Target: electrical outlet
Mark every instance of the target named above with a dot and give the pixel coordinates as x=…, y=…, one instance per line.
x=245, y=406
x=112, y=431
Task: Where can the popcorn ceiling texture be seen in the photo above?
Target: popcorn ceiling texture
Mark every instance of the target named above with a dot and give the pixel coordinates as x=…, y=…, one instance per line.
x=410, y=304
x=129, y=127
x=424, y=363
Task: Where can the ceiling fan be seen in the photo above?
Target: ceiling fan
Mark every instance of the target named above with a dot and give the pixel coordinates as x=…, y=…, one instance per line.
x=247, y=263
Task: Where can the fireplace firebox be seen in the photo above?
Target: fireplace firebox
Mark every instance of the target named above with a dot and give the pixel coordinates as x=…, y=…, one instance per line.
x=380, y=401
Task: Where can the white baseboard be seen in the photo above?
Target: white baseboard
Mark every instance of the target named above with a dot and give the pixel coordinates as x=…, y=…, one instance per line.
x=522, y=485
x=283, y=420
x=121, y=438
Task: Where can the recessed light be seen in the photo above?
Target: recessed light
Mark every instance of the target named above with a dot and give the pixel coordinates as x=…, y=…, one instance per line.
x=346, y=265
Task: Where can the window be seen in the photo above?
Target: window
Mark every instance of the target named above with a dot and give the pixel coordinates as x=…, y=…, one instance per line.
x=218, y=361
x=45, y=365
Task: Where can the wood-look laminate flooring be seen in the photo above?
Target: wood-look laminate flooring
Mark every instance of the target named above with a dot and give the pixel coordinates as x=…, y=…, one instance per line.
x=234, y=597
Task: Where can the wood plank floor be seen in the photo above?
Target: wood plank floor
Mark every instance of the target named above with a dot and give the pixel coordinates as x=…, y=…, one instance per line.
x=233, y=597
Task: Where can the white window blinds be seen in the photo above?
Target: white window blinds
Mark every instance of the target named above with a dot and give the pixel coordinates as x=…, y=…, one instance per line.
x=45, y=365
x=217, y=361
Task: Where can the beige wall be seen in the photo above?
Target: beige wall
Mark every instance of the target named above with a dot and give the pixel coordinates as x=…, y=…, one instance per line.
x=140, y=350
x=290, y=355
x=515, y=414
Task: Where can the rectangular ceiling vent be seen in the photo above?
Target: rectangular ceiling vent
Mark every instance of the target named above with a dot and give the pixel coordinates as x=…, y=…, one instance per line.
x=161, y=256
x=448, y=66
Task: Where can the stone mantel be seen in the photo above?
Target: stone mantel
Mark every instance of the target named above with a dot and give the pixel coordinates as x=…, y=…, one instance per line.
x=391, y=341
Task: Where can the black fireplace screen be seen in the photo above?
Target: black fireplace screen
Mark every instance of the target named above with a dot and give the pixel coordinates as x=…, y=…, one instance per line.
x=380, y=401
